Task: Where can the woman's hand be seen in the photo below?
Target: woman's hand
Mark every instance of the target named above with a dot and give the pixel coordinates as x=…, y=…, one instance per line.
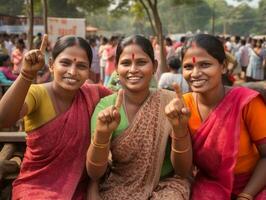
x=33, y=60
x=176, y=111
x=109, y=118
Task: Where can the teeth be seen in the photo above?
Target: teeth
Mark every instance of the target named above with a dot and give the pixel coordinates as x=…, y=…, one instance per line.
x=198, y=83
x=70, y=80
x=134, y=78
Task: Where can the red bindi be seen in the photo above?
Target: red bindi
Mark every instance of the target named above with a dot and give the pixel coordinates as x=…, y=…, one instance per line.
x=133, y=56
x=194, y=60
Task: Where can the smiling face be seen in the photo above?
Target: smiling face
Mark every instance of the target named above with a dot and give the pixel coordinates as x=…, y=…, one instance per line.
x=70, y=68
x=202, y=71
x=135, y=68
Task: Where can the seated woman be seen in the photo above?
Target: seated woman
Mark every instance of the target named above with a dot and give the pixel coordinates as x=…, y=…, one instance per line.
x=151, y=159
x=227, y=127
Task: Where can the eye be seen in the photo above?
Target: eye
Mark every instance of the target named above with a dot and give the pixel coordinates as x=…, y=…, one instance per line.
x=205, y=64
x=65, y=63
x=188, y=66
x=141, y=62
x=125, y=63
x=83, y=66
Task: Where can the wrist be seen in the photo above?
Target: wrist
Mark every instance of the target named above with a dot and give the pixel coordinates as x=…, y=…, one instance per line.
x=245, y=196
x=102, y=138
x=27, y=76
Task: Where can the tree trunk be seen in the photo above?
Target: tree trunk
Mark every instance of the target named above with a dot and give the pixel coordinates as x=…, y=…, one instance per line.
x=162, y=65
x=44, y=5
x=30, y=22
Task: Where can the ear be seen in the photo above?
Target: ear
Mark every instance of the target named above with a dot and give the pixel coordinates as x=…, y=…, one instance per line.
x=155, y=66
x=51, y=65
x=224, y=66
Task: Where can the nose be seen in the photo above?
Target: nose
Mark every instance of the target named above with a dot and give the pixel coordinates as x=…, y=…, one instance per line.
x=72, y=70
x=133, y=67
x=196, y=71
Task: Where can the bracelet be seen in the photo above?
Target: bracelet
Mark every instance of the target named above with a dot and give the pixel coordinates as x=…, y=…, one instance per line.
x=177, y=137
x=101, y=146
x=245, y=195
x=180, y=151
x=97, y=164
x=25, y=76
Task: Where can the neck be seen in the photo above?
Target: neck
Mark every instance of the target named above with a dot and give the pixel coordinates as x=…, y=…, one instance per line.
x=212, y=98
x=62, y=94
x=136, y=98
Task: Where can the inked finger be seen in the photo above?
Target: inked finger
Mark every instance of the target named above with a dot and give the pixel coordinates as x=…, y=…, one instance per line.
x=44, y=43
x=119, y=99
x=177, y=90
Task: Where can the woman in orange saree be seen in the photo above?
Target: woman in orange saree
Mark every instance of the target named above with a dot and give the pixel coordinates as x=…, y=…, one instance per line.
x=226, y=125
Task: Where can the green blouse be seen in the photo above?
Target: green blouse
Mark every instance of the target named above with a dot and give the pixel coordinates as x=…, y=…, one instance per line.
x=105, y=102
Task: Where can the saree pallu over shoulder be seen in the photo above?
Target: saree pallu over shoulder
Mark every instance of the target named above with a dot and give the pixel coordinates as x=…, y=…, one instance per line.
x=138, y=154
x=215, y=146
x=54, y=162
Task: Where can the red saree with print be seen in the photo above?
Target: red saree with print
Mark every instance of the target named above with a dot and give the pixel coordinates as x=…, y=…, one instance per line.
x=215, y=148
x=54, y=162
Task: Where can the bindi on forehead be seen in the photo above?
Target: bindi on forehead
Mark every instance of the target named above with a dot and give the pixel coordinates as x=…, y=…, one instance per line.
x=74, y=59
x=193, y=59
x=133, y=56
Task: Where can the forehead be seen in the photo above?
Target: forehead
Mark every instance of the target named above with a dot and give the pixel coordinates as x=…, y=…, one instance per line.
x=198, y=53
x=133, y=50
x=74, y=52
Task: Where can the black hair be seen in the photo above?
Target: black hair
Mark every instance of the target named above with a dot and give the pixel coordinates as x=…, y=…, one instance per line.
x=3, y=58
x=68, y=41
x=168, y=41
x=139, y=40
x=174, y=62
x=210, y=43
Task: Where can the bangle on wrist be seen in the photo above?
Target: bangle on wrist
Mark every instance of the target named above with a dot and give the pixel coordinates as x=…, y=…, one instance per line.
x=97, y=164
x=180, y=151
x=245, y=195
x=25, y=76
x=99, y=145
x=177, y=137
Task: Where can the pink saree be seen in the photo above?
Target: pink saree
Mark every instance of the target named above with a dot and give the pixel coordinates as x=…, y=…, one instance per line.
x=215, y=147
x=54, y=162
x=138, y=154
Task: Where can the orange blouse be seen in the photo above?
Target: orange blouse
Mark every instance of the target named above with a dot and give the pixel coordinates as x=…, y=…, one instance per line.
x=252, y=130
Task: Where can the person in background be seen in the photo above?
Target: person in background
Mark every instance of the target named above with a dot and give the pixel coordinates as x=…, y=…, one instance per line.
x=173, y=76
x=18, y=55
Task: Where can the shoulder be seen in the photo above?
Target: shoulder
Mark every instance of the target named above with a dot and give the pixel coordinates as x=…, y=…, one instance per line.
x=96, y=88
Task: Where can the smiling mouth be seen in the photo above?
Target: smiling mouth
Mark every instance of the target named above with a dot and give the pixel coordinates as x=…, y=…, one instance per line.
x=197, y=83
x=133, y=79
x=70, y=80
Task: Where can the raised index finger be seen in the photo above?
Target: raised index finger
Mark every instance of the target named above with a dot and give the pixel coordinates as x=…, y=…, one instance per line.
x=44, y=43
x=177, y=90
x=119, y=99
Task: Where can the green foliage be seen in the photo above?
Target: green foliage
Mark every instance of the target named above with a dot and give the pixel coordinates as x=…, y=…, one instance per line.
x=12, y=7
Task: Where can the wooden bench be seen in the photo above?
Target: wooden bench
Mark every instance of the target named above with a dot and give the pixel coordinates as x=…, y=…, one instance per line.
x=13, y=136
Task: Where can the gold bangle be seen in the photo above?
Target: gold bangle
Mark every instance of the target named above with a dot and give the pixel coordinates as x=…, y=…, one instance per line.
x=177, y=137
x=97, y=164
x=245, y=195
x=101, y=146
x=180, y=151
x=25, y=77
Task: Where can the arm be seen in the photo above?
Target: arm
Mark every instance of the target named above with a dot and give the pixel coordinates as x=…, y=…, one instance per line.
x=98, y=152
x=181, y=150
x=257, y=180
x=256, y=129
x=10, y=110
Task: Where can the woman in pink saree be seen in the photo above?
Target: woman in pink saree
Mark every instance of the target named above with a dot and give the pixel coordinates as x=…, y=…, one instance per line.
x=150, y=158
x=227, y=126
x=57, y=116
